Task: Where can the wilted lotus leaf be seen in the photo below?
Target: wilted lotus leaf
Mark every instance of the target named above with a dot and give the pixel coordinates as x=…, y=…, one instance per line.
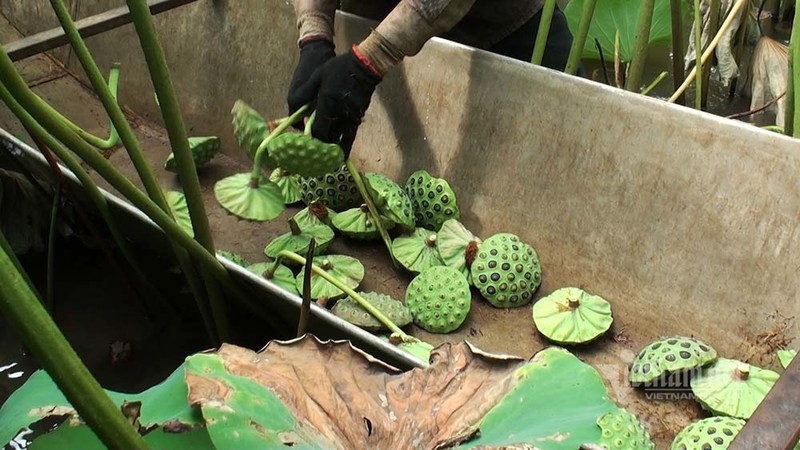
x=572, y=316
x=283, y=276
x=670, y=355
x=289, y=184
x=390, y=199
x=297, y=240
x=769, y=76
x=357, y=223
x=233, y=256
x=203, y=150
x=304, y=155
x=344, y=268
x=316, y=213
x=417, y=251
x=309, y=394
x=457, y=246
x=713, y=433
x=786, y=356
x=180, y=210
x=259, y=201
x=732, y=388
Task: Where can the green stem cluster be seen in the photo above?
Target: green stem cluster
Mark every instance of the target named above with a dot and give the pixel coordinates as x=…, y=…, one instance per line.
x=640, y=46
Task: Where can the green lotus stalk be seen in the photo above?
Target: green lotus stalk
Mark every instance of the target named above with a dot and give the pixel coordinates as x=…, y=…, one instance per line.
x=655, y=82
x=305, y=308
x=574, y=59
x=640, y=47
x=677, y=45
x=358, y=298
x=51, y=250
x=373, y=211
x=544, y=31
x=792, y=118
x=285, y=123
x=698, y=67
x=20, y=306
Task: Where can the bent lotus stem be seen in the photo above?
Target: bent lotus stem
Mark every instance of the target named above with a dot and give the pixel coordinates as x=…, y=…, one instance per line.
x=353, y=294
x=20, y=305
x=575, y=52
x=640, y=46
x=544, y=31
x=255, y=175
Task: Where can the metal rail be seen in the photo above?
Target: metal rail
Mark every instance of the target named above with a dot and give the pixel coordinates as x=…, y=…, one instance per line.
x=90, y=26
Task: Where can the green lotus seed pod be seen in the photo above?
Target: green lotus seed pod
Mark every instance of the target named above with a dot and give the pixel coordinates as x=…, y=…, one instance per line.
x=315, y=213
x=506, y=271
x=732, y=388
x=357, y=223
x=713, y=433
x=439, y=299
x=244, y=198
x=349, y=310
x=336, y=190
x=786, y=356
x=433, y=200
x=304, y=155
x=297, y=240
x=670, y=355
x=289, y=184
x=622, y=430
x=572, y=316
x=344, y=268
x=180, y=210
x=250, y=130
x=283, y=276
x=457, y=247
x=417, y=251
x=203, y=150
x=233, y=257
x=390, y=199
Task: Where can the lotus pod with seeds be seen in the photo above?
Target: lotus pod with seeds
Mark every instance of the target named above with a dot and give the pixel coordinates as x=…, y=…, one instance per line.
x=357, y=223
x=670, y=355
x=250, y=130
x=233, y=257
x=732, y=388
x=712, y=433
x=439, y=299
x=506, y=271
x=303, y=155
x=336, y=190
x=315, y=213
x=203, y=150
x=390, y=199
x=457, y=247
x=785, y=357
x=622, y=430
x=417, y=251
x=346, y=269
x=433, y=200
x=297, y=240
x=349, y=310
x=572, y=316
x=283, y=276
x=250, y=199
x=289, y=184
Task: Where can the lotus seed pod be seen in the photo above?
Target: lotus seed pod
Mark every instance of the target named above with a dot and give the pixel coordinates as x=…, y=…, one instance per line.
x=349, y=310
x=439, y=299
x=572, y=316
x=732, y=388
x=250, y=130
x=457, y=247
x=622, y=430
x=506, y=271
x=713, y=433
x=390, y=199
x=180, y=210
x=336, y=190
x=304, y=155
x=258, y=201
x=283, y=276
x=289, y=184
x=417, y=251
x=433, y=200
x=670, y=355
x=203, y=150
x=346, y=269
x=357, y=223
x=786, y=356
x=297, y=240
x=233, y=257
x=315, y=213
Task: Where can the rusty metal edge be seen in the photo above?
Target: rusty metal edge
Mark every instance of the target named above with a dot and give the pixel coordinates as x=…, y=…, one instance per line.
x=90, y=26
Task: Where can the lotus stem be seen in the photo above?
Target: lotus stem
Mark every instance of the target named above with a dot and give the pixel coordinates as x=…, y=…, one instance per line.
x=305, y=307
x=655, y=82
x=713, y=25
x=353, y=294
x=286, y=122
x=677, y=45
x=19, y=304
x=544, y=31
x=575, y=52
x=774, y=128
x=640, y=46
x=310, y=123
x=51, y=250
x=373, y=211
x=792, y=120
x=709, y=50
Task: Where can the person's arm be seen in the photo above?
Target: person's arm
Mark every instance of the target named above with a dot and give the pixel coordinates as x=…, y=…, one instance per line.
x=315, y=19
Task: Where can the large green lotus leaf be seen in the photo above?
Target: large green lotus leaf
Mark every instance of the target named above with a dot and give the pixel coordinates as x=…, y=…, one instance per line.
x=82, y=438
x=786, y=356
x=623, y=15
x=180, y=210
x=39, y=397
x=261, y=203
x=306, y=393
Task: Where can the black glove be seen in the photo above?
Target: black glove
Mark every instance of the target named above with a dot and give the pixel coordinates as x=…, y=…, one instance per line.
x=340, y=91
x=313, y=54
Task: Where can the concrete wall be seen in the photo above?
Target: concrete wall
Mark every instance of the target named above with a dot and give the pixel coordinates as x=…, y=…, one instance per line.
x=685, y=221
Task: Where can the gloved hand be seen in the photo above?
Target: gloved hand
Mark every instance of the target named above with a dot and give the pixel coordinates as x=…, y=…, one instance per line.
x=340, y=92
x=313, y=54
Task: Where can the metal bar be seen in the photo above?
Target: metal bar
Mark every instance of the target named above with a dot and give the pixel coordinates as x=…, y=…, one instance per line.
x=90, y=26
x=776, y=422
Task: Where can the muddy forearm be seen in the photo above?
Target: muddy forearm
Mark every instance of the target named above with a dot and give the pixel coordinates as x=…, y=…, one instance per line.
x=315, y=18
x=408, y=27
